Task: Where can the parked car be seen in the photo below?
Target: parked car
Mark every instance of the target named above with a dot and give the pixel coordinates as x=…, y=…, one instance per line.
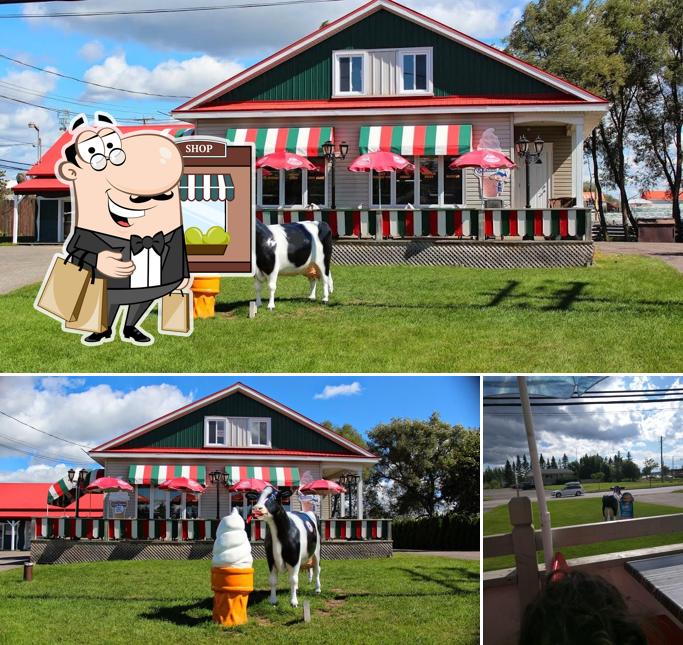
x=528, y=485
x=571, y=489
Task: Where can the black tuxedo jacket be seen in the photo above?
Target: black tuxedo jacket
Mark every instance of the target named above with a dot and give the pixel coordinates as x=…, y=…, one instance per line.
x=85, y=244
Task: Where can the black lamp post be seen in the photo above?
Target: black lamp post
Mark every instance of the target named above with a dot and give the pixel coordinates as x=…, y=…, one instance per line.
x=529, y=156
x=217, y=477
x=331, y=155
x=350, y=482
x=71, y=474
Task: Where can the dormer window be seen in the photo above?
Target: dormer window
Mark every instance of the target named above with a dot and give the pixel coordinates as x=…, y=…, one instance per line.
x=415, y=74
x=214, y=431
x=349, y=73
x=259, y=433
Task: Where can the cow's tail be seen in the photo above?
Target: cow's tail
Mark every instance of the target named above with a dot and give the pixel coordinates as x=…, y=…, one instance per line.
x=325, y=237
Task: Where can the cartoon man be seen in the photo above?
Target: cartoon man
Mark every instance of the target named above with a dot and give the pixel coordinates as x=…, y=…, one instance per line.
x=128, y=222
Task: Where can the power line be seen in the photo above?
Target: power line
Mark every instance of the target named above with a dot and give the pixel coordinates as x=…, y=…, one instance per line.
x=579, y=402
x=54, y=436
x=22, y=163
x=130, y=12
x=43, y=457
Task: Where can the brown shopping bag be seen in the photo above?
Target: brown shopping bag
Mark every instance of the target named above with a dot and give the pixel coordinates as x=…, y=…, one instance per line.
x=63, y=291
x=176, y=312
x=93, y=313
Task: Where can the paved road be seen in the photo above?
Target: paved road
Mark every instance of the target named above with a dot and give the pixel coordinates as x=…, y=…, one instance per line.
x=456, y=555
x=670, y=252
x=12, y=559
x=24, y=264
x=662, y=495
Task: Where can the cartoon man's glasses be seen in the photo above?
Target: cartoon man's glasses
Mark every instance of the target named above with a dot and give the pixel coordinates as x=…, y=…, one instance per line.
x=99, y=162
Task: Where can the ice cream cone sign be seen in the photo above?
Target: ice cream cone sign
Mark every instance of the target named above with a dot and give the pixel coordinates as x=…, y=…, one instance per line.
x=232, y=575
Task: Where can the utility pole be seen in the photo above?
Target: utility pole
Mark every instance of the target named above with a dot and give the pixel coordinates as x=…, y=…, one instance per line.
x=661, y=455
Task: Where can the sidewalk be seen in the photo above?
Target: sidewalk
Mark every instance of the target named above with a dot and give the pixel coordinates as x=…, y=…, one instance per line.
x=13, y=559
x=670, y=252
x=23, y=264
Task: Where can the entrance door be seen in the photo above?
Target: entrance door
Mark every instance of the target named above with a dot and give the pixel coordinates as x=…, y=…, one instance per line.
x=540, y=178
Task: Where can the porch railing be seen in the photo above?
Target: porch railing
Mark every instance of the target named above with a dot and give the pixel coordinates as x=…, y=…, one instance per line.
x=189, y=530
x=524, y=540
x=469, y=223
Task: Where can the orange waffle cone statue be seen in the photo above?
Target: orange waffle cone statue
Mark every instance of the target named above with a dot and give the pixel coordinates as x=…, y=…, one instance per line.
x=232, y=575
x=204, y=289
x=231, y=588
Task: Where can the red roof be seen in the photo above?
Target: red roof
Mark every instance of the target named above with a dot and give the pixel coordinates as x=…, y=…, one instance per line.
x=237, y=451
x=659, y=195
x=386, y=102
x=30, y=500
x=41, y=185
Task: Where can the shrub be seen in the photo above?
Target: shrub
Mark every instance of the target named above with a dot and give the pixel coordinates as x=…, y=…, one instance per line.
x=454, y=532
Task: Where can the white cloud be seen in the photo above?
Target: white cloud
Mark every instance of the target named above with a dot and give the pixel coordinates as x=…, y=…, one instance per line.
x=87, y=417
x=35, y=473
x=333, y=391
x=91, y=51
x=175, y=77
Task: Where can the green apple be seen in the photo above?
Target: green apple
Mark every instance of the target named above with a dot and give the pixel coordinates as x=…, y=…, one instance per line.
x=216, y=235
x=193, y=236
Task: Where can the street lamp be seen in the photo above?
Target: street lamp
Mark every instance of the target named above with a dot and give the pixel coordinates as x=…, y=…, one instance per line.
x=39, y=143
x=350, y=482
x=529, y=157
x=80, y=480
x=217, y=477
x=331, y=155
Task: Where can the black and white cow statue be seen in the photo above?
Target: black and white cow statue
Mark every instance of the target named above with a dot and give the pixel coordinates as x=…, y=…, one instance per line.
x=610, y=506
x=300, y=248
x=292, y=540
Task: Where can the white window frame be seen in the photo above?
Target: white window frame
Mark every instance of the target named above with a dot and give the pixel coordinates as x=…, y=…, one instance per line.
x=253, y=420
x=417, y=178
x=399, y=70
x=207, y=444
x=343, y=53
x=281, y=189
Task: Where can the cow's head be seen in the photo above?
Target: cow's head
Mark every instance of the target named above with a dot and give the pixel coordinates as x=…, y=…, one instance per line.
x=267, y=504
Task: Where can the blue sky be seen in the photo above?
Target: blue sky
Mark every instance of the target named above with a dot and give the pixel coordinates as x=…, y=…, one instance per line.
x=600, y=428
x=90, y=410
x=179, y=54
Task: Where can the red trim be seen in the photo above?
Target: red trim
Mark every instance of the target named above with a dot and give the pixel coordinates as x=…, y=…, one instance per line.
x=385, y=135
x=145, y=529
x=332, y=222
x=488, y=224
x=356, y=223
x=386, y=223
x=538, y=223
x=259, y=216
x=373, y=529
x=564, y=224
x=434, y=223
x=110, y=527
x=89, y=529
x=410, y=223
x=128, y=530
x=287, y=217
x=342, y=530
x=327, y=530
x=359, y=529
x=457, y=217
x=419, y=140
x=162, y=529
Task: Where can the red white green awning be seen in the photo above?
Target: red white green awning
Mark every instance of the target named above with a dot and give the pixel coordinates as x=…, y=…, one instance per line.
x=63, y=492
x=278, y=476
x=146, y=475
x=428, y=140
x=301, y=141
x=206, y=188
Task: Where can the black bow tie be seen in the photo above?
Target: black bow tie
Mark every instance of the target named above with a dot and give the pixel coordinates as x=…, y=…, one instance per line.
x=137, y=243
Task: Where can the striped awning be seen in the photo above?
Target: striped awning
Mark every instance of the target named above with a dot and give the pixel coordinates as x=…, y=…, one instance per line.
x=63, y=492
x=206, y=188
x=145, y=475
x=301, y=141
x=430, y=140
x=278, y=476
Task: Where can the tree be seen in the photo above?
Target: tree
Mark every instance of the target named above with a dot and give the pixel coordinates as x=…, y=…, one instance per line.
x=509, y=476
x=526, y=467
x=659, y=101
x=348, y=432
x=598, y=477
x=553, y=463
x=541, y=462
x=426, y=467
x=648, y=467
x=630, y=470
x=565, y=461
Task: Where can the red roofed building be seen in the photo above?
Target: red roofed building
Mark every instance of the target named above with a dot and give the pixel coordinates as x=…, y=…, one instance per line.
x=22, y=501
x=52, y=211
x=659, y=196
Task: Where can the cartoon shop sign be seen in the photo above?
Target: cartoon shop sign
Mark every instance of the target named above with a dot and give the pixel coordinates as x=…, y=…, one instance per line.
x=217, y=199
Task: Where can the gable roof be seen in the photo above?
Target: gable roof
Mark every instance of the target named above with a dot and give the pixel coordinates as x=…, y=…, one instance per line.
x=336, y=26
x=118, y=442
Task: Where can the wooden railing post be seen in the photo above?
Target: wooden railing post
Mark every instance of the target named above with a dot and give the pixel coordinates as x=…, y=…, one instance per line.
x=524, y=546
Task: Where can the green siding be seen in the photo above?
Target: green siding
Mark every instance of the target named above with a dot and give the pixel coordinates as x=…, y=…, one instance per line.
x=188, y=431
x=458, y=70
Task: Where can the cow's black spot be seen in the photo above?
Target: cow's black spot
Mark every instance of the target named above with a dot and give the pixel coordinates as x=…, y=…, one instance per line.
x=265, y=251
x=299, y=244
x=325, y=237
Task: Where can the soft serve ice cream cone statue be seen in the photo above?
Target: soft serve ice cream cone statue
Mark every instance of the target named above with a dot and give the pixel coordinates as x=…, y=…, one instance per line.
x=232, y=576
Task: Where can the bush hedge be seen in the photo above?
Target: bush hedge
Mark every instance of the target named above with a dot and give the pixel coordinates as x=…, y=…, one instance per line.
x=444, y=533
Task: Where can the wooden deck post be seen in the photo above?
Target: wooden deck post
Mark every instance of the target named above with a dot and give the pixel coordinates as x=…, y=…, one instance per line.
x=524, y=546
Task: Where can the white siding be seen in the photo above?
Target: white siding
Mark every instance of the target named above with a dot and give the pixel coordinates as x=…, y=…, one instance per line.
x=382, y=72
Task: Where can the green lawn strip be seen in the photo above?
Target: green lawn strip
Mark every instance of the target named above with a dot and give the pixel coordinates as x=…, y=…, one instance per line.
x=402, y=599
x=399, y=319
x=594, y=487
x=570, y=512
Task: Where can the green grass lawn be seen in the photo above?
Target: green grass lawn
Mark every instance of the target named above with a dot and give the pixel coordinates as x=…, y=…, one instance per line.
x=593, y=487
x=399, y=600
x=399, y=319
x=572, y=511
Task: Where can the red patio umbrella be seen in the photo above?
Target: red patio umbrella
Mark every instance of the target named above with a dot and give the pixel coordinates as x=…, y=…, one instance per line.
x=108, y=485
x=322, y=487
x=183, y=484
x=381, y=162
x=487, y=159
x=284, y=160
x=251, y=485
